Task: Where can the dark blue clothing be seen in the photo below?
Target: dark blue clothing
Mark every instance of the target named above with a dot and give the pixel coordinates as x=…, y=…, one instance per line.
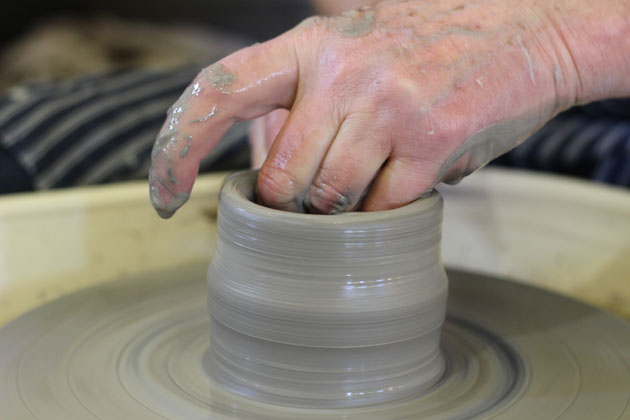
x=591, y=141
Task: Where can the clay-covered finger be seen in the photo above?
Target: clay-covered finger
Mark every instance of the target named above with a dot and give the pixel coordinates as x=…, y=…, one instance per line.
x=400, y=182
x=353, y=160
x=247, y=84
x=297, y=153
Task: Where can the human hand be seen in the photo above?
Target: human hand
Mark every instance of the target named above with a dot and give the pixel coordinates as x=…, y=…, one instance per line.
x=392, y=100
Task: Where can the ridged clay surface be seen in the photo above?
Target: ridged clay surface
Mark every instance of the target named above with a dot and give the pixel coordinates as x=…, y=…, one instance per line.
x=135, y=350
x=325, y=310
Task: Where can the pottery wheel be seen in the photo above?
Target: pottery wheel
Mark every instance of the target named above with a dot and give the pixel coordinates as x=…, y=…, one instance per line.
x=136, y=350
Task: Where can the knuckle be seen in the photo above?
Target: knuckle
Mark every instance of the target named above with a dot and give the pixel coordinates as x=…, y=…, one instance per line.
x=326, y=198
x=398, y=87
x=276, y=187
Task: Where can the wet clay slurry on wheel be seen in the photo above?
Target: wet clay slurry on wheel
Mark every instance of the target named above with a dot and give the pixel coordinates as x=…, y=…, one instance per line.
x=135, y=350
x=325, y=310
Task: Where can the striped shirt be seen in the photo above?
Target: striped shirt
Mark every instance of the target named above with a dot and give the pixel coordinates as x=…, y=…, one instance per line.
x=96, y=129
x=591, y=141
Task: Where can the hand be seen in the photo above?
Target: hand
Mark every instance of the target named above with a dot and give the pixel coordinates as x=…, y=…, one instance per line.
x=392, y=100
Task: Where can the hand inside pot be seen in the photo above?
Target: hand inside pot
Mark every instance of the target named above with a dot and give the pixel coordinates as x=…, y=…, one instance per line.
x=383, y=103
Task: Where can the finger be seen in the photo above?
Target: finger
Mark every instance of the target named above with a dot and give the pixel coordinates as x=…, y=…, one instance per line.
x=274, y=121
x=400, y=182
x=257, y=142
x=353, y=160
x=296, y=154
x=262, y=134
x=245, y=85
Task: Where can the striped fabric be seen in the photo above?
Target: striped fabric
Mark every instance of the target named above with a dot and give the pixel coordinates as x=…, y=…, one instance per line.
x=101, y=128
x=96, y=129
x=591, y=141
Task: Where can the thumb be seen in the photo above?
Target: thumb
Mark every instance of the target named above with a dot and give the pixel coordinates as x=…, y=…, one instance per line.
x=247, y=84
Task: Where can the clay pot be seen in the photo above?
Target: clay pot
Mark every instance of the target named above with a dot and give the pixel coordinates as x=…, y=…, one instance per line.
x=325, y=310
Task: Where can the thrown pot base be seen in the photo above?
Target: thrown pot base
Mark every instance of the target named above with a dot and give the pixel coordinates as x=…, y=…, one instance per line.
x=325, y=310
x=135, y=350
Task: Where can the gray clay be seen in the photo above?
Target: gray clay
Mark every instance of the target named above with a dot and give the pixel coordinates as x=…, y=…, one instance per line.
x=218, y=76
x=356, y=298
x=355, y=23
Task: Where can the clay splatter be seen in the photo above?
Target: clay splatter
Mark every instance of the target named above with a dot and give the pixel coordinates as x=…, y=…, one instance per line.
x=355, y=23
x=164, y=143
x=171, y=176
x=177, y=200
x=205, y=117
x=168, y=136
x=186, y=148
x=219, y=77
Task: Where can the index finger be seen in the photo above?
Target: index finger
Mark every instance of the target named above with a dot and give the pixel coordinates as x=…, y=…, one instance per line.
x=247, y=84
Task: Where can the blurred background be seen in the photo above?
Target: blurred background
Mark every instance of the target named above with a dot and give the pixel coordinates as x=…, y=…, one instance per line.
x=122, y=33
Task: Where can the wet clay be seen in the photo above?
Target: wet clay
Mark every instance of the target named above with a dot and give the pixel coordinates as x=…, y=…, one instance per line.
x=206, y=117
x=139, y=349
x=299, y=298
x=178, y=200
x=355, y=23
x=489, y=142
x=218, y=76
x=184, y=152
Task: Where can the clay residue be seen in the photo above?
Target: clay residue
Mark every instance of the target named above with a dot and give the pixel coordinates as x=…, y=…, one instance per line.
x=339, y=206
x=177, y=199
x=219, y=77
x=176, y=202
x=168, y=135
x=355, y=23
x=492, y=141
x=206, y=117
x=171, y=176
x=184, y=152
x=164, y=143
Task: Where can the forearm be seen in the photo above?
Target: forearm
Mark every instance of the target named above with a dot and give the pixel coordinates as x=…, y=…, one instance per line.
x=596, y=40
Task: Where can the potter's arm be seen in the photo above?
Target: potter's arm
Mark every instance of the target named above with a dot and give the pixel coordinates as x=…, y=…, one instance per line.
x=396, y=98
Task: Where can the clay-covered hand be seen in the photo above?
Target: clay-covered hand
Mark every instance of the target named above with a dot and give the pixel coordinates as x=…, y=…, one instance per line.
x=386, y=102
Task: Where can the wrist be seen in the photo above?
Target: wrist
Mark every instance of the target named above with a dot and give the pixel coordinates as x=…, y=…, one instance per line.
x=592, y=43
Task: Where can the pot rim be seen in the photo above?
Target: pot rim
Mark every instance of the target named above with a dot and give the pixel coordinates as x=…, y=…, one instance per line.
x=237, y=192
